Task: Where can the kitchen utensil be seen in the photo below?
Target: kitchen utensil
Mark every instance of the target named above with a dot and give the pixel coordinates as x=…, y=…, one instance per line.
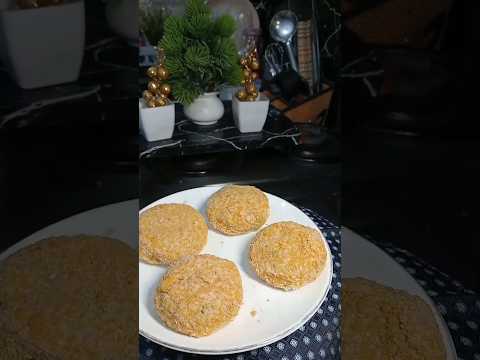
x=272, y=59
x=283, y=27
x=270, y=67
x=282, y=59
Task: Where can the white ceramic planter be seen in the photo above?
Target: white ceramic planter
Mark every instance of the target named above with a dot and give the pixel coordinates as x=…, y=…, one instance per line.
x=250, y=116
x=43, y=46
x=156, y=123
x=207, y=109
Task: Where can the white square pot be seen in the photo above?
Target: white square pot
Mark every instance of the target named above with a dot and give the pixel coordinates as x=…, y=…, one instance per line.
x=250, y=116
x=156, y=123
x=43, y=46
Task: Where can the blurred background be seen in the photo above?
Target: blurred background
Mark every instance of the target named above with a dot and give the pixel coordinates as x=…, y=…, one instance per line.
x=409, y=150
x=68, y=111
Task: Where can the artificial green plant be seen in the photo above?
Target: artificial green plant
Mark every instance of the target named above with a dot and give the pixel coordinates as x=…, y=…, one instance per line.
x=200, y=52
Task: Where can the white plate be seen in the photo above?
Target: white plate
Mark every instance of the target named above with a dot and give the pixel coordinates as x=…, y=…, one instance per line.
x=381, y=268
x=118, y=221
x=278, y=313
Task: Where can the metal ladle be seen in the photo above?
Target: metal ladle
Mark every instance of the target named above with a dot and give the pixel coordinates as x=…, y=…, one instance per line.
x=282, y=29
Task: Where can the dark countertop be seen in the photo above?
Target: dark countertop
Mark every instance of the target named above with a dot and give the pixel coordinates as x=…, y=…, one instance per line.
x=308, y=183
x=223, y=136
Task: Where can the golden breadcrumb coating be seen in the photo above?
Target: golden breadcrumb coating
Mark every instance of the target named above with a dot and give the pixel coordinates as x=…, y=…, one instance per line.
x=69, y=297
x=169, y=232
x=381, y=323
x=199, y=295
x=288, y=255
x=235, y=209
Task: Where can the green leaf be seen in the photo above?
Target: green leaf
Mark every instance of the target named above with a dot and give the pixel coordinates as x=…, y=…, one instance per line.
x=199, y=27
x=171, y=46
x=175, y=67
x=196, y=8
x=185, y=92
x=225, y=26
x=174, y=26
x=234, y=76
x=197, y=56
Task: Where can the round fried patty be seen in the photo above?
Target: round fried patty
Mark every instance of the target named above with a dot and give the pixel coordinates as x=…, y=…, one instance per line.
x=288, y=255
x=169, y=232
x=73, y=297
x=381, y=323
x=235, y=209
x=199, y=295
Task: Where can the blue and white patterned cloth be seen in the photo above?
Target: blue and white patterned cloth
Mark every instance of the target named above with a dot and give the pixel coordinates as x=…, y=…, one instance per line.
x=318, y=338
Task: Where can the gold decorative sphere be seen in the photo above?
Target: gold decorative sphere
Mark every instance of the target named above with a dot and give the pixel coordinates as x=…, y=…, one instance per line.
x=151, y=103
x=242, y=95
x=255, y=65
x=251, y=88
x=152, y=72
x=160, y=101
x=153, y=86
x=165, y=89
x=162, y=72
x=147, y=96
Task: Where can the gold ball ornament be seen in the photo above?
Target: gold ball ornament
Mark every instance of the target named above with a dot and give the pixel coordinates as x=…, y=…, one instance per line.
x=152, y=72
x=255, y=65
x=254, y=76
x=162, y=73
x=254, y=94
x=165, y=89
x=246, y=73
x=251, y=98
x=251, y=88
x=244, y=62
x=151, y=103
x=242, y=95
x=147, y=96
x=153, y=86
x=160, y=101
